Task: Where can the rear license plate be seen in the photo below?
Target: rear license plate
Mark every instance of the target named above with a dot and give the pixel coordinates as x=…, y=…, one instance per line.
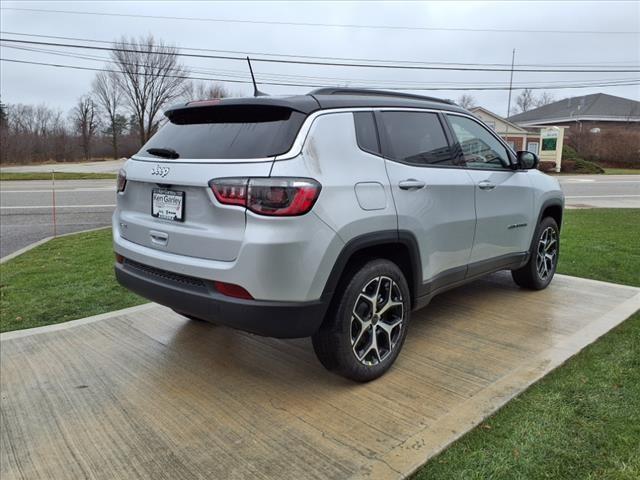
x=167, y=204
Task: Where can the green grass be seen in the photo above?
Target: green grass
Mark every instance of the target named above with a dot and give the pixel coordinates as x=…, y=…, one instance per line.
x=582, y=420
x=64, y=279
x=10, y=176
x=603, y=244
x=622, y=171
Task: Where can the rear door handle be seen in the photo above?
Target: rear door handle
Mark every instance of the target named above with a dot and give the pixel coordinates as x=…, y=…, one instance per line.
x=411, y=184
x=486, y=185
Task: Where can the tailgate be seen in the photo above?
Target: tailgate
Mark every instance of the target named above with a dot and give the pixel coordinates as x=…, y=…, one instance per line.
x=207, y=229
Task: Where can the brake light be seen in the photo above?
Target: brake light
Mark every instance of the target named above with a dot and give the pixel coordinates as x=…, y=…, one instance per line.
x=232, y=290
x=122, y=181
x=275, y=196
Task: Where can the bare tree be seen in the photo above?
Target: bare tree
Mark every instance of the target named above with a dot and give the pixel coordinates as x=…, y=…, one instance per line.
x=108, y=95
x=525, y=100
x=467, y=101
x=85, y=119
x=152, y=76
x=195, y=90
x=545, y=99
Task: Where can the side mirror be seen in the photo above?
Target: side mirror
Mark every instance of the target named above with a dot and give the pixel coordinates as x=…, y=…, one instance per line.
x=527, y=160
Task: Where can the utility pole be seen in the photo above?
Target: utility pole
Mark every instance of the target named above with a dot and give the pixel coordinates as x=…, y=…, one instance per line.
x=513, y=59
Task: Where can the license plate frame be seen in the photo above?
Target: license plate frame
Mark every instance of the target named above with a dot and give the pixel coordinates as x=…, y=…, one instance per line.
x=160, y=209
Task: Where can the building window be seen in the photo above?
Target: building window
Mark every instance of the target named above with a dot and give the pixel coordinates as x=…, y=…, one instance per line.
x=512, y=144
x=533, y=147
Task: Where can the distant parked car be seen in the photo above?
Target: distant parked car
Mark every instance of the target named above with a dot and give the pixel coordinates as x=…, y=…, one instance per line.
x=331, y=215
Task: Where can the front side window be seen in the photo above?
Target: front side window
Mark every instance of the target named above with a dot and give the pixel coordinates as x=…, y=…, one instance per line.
x=480, y=149
x=416, y=138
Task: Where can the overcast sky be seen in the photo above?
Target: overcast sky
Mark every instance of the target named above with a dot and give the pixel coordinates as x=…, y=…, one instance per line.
x=61, y=87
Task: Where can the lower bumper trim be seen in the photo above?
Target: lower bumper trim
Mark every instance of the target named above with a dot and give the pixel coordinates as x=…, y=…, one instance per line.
x=266, y=318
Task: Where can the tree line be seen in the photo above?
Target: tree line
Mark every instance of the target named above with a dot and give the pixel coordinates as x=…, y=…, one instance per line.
x=115, y=118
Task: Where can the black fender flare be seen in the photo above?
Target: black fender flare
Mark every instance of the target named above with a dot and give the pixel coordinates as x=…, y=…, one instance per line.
x=367, y=240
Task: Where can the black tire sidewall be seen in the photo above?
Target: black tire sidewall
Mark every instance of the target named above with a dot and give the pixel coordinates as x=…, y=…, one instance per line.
x=533, y=271
x=339, y=329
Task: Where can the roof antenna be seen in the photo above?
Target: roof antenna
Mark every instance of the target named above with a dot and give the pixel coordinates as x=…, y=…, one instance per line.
x=256, y=92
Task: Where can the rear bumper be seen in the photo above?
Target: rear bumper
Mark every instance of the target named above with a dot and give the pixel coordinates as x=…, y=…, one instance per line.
x=197, y=297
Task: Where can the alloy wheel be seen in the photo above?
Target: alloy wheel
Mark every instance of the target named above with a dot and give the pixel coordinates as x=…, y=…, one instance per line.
x=377, y=320
x=547, y=253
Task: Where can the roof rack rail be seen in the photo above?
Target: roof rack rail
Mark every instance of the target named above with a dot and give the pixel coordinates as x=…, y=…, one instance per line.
x=364, y=91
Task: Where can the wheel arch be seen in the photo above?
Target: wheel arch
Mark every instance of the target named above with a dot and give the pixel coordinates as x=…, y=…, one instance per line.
x=400, y=247
x=553, y=208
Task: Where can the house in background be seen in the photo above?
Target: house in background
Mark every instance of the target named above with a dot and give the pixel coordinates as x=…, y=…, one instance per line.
x=591, y=113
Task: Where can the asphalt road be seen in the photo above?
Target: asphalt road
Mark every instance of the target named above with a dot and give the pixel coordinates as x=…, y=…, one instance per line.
x=26, y=213
x=601, y=191
x=26, y=207
x=106, y=166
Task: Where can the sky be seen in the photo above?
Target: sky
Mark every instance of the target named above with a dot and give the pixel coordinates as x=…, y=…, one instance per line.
x=409, y=35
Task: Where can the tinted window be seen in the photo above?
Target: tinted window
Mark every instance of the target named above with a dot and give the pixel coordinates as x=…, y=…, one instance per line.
x=366, y=132
x=228, y=132
x=480, y=149
x=415, y=137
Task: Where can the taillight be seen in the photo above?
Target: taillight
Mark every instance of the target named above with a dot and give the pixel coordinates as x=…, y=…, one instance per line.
x=274, y=196
x=232, y=290
x=122, y=181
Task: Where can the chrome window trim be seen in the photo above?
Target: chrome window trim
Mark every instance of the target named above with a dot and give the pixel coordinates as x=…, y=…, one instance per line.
x=301, y=137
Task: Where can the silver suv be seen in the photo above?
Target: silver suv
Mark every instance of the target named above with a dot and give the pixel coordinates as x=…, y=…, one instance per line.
x=331, y=215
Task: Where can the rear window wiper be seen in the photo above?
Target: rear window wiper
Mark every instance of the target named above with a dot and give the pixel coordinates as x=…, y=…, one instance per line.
x=163, y=152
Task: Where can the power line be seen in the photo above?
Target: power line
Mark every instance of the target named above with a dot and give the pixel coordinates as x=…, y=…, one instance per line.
x=332, y=25
x=406, y=85
x=424, y=88
x=341, y=59
x=308, y=62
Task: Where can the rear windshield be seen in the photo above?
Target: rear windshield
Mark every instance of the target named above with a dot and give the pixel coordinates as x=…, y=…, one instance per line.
x=227, y=132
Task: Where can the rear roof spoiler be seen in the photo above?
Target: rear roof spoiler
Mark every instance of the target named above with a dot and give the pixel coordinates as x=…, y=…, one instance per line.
x=301, y=103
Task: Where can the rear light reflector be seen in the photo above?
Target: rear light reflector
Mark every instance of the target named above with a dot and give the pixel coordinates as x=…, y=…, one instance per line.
x=232, y=290
x=274, y=196
x=119, y=258
x=122, y=181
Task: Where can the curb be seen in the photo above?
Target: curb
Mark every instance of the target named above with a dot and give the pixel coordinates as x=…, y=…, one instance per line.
x=26, y=332
x=33, y=245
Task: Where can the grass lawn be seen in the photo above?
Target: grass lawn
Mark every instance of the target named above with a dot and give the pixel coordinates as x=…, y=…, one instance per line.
x=64, y=279
x=8, y=176
x=622, y=171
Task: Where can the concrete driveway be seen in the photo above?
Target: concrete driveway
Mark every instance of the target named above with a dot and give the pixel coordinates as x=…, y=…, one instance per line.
x=145, y=393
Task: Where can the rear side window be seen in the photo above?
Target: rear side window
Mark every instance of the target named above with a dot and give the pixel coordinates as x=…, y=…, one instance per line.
x=227, y=132
x=366, y=133
x=416, y=138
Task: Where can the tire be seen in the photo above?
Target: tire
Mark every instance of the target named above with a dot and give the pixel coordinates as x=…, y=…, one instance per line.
x=539, y=270
x=345, y=342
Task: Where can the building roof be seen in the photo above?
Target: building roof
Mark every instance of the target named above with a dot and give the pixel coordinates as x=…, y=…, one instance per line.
x=515, y=128
x=595, y=107
x=324, y=98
